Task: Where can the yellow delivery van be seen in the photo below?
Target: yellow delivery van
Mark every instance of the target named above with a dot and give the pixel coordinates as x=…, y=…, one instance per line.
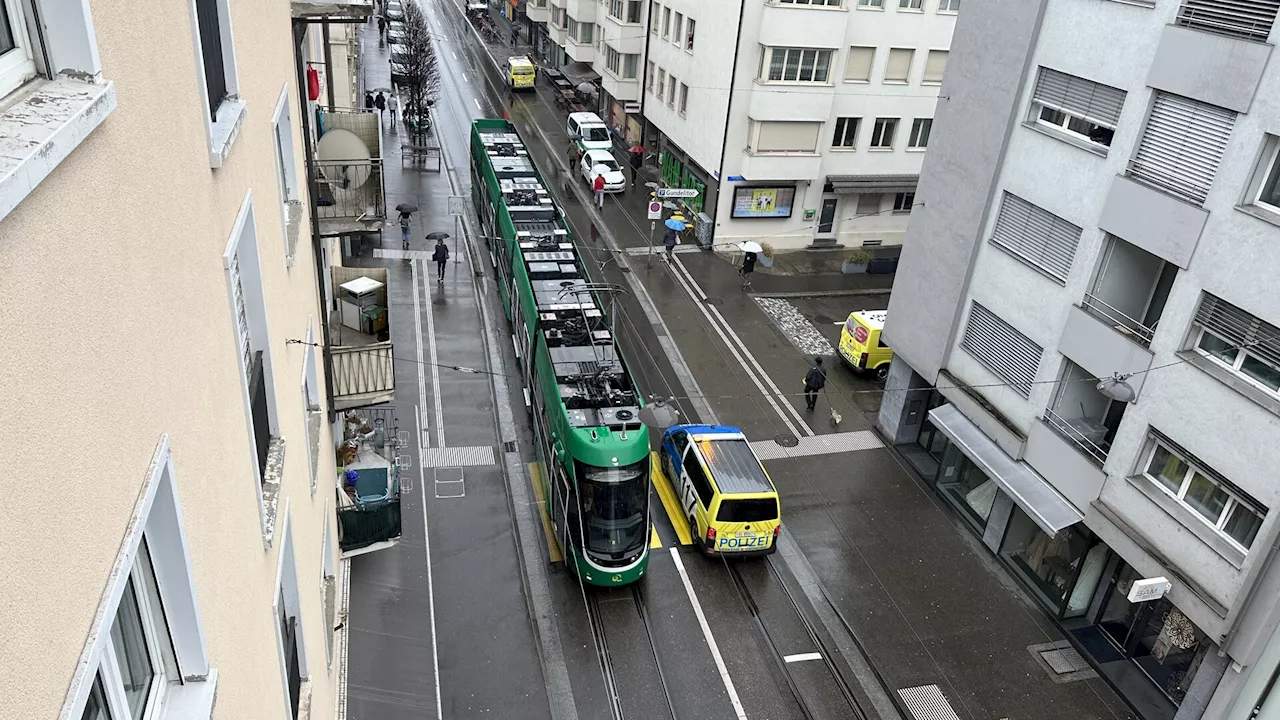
x=521, y=73
x=861, y=346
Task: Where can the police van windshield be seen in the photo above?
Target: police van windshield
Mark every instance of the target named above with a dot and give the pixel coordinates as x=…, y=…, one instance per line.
x=748, y=511
x=614, y=508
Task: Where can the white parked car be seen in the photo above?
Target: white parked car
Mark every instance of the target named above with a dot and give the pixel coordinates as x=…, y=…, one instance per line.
x=602, y=162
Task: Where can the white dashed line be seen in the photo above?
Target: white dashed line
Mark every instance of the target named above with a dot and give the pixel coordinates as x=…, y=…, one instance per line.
x=801, y=657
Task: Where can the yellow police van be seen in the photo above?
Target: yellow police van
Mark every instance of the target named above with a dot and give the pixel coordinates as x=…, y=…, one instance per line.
x=861, y=346
x=724, y=491
x=521, y=73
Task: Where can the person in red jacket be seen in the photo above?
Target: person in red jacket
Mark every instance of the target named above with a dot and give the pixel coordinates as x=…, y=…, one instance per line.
x=598, y=186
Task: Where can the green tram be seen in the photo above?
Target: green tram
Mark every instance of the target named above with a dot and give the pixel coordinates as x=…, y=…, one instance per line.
x=585, y=405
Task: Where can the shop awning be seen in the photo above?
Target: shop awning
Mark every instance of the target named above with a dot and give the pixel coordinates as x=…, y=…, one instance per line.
x=580, y=72
x=859, y=184
x=1031, y=492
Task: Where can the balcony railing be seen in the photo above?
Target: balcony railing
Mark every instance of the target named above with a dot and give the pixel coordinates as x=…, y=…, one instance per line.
x=1087, y=434
x=1120, y=322
x=349, y=195
x=360, y=526
x=363, y=375
x=369, y=497
x=1245, y=19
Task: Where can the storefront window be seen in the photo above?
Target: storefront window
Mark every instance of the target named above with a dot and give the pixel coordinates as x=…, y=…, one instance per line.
x=1053, y=563
x=966, y=486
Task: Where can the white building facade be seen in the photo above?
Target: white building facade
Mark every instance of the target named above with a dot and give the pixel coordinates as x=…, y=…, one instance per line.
x=1100, y=203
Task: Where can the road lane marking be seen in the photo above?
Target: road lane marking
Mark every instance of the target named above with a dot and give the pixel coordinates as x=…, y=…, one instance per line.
x=655, y=542
x=535, y=477
x=435, y=358
x=454, y=54
x=706, y=634
x=669, y=502
x=465, y=78
x=424, y=435
x=477, y=102
x=801, y=657
x=431, y=588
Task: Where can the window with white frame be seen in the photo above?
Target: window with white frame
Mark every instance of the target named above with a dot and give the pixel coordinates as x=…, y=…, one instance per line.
x=826, y=3
x=871, y=4
x=649, y=71
x=666, y=23
x=801, y=65
x=146, y=652
x=1230, y=512
x=634, y=9
x=784, y=137
x=287, y=173
x=920, y=129
x=313, y=414
x=846, y=133
x=1241, y=343
x=684, y=98
x=898, y=67
x=288, y=613
x=935, y=66
x=690, y=29
x=630, y=64
x=217, y=70
x=671, y=91
x=677, y=27
x=617, y=8
x=613, y=60
x=868, y=204
x=1075, y=106
x=662, y=82
x=1264, y=188
x=903, y=201
x=653, y=13
x=328, y=588
x=857, y=67
x=948, y=6
x=17, y=51
x=911, y=5
x=882, y=133
x=1182, y=145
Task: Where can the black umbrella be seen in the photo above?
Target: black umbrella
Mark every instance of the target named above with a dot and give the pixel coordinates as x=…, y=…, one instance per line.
x=407, y=208
x=437, y=236
x=381, y=89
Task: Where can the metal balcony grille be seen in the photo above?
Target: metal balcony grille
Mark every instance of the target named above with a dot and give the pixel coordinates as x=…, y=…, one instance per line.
x=1079, y=433
x=1012, y=356
x=1036, y=236
x=1240, y=329
x=1182, y=146
x=1245, y=19
x=1121, y=322
x=1090, y=100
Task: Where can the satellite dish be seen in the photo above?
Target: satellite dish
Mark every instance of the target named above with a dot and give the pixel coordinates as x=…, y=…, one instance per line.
x=340, y=146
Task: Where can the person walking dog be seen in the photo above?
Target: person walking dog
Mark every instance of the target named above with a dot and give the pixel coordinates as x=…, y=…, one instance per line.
x=814, y=380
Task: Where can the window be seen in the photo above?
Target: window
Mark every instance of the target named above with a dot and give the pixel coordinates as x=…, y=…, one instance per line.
x=689, y=28
x=148, y=644
x=858, y=67
x=882, y=133
x=653, y=25
x=649, y=71
x=910, y=4
x=877, y=4
x=288, y=610
x=807, y=65
x=662, y=82
x=677, y=28
x=1246, y=346
x=1245, y=19
x=17, y=59
x=1007, y=353
x=630, y=63
x=920, y=129
x=935, y=65
x=1080, y=108
x=868, y=204
x=312, y=414
x=684, y=98
x=1204, y=492
x=786, y=137
x=1036, y=236
x=1265, y=188
x=898, y=67
x=218, y=72
x=666, y=22
x=287, y=171
x=903, y=201
x=671, y=91
x=613, y=60
x=828, y=3
x=846, y=134
x=698, y=477
x=634, y=8
x=1182, y=146
x=586, y=30
x=616, y=8
x=948, y=6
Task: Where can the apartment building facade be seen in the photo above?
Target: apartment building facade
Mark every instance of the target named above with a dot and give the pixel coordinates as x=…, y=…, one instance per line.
x=1085, y=332
x=149, y=164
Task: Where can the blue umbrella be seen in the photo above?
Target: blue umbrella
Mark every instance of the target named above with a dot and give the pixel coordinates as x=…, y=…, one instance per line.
x=675, y=224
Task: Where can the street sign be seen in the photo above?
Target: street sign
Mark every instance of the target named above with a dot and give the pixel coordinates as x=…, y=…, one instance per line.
x=655, y=210
x=677, y=193
x=736, y=178
x=457, y=205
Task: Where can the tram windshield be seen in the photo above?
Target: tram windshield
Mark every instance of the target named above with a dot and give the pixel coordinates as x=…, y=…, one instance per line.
x=615, y=508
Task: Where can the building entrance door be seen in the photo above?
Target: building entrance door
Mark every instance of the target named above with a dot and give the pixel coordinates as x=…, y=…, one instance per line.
x=825, y=231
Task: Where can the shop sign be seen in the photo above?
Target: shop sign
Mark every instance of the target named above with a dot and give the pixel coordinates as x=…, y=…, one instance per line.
x=632, y=107
x=677, y=193
x=1149, y=589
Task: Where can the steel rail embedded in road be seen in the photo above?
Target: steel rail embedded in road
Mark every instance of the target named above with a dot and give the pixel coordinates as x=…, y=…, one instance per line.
x=643, y=611
x=596, y=621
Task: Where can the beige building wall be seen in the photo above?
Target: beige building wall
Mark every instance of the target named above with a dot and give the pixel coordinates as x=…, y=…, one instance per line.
x=125, y=333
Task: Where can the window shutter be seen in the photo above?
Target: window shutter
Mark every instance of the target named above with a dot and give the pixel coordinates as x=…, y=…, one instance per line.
x=1182, y=145
x=935, y=66
x=899, y=64
x=1012, y=356
x=1036, y=236
x=858, y=66
x=1239, y=328
x=1247, y=19
x=788, y=137
x=1086, y=98
x=242, y=314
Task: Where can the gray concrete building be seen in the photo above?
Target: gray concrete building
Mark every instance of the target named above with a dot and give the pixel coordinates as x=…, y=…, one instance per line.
x=1085, y=325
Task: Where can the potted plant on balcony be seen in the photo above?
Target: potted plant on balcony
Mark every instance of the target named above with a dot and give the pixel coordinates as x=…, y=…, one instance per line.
x=856, y=263
x=765, y=256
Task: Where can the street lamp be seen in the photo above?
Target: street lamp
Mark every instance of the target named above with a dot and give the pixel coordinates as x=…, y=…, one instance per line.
x=1116, y=388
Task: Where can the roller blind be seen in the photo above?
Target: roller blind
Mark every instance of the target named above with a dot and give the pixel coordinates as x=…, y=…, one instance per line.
x=1075, y=95
x=899, y=64
x=1010, y=355
x=858, y=66
x=1182, y=145
x=787, y=137
x=1036, y=236
x=1248, y=19
x=935, y=66
x=1239, y=328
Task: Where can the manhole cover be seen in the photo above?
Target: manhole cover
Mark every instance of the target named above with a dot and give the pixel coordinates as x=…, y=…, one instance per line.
x=786, y=440
x=823, y=320
x=713, y=301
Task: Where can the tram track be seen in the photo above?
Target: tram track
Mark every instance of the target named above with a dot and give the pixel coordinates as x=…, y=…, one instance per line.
x=599, y=631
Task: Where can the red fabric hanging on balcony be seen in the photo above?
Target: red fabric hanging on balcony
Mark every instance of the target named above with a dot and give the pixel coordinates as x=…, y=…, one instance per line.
x=313, y=84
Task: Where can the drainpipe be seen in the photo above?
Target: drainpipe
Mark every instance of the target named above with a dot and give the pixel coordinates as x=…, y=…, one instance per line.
x=317, y=244
x=728, y=113
x=328, y=62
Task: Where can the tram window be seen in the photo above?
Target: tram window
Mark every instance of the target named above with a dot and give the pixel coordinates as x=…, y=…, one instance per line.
x=698, y=476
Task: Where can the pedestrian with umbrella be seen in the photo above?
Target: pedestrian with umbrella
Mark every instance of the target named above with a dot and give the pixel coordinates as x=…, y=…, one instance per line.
x=406, y=210
x=637, y=161
x=441, y=254
x=380, y=102
x=749, y=250
x=597, y=185
x=671, y=237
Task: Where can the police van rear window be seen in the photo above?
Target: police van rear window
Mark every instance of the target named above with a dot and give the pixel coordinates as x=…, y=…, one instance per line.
x=747, y=511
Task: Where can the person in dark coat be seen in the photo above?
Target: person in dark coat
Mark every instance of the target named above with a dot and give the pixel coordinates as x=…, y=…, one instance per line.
x=382, y=29
x=748, y=267
x=669, y=241
x=637, y=162
x=441, y=256
x=368, y=101
x=814, y=380
x=595, y=234
x=380, y=102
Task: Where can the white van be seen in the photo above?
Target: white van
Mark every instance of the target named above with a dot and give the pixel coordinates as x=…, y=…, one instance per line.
x=593, y=134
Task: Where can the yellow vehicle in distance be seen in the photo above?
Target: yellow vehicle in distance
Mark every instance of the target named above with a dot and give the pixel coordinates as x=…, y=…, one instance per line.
x=861, y=347
x=724, y=491
x=521, y=73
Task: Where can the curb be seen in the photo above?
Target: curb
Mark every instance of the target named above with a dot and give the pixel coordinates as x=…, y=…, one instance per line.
x=821, y=293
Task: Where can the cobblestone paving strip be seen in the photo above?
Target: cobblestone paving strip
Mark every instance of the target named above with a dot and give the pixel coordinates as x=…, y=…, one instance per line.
x=795, y=326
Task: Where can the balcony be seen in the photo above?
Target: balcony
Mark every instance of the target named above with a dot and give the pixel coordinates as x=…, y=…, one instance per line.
x=1130, y=290
x=779, y=166
x=791, y=25
x=334, y=10
x=1083, y=416
x=347, y=173
x=361, y=353
x=1217, y=69
x=1155, y=221
x=368, y=495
